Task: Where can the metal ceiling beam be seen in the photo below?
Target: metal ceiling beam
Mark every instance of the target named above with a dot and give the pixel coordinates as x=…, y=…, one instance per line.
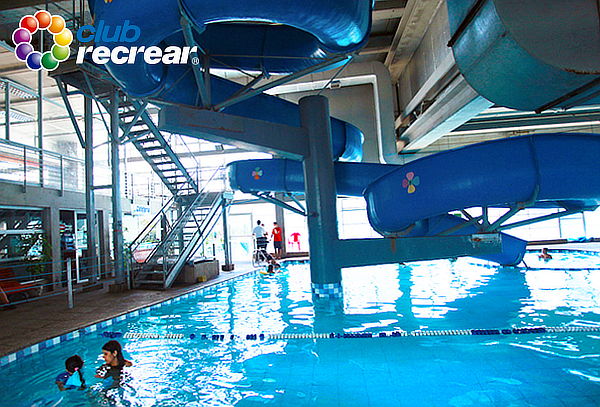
x=14, y=69
x=378, y=44
x=435, y=80
x=528, y=121
x=387, y=13
x=409, y=34
x=456, y=105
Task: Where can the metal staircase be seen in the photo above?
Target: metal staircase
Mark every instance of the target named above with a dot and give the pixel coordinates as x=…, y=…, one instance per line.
x=139, y=128
x=181, y=237
x=173, y=236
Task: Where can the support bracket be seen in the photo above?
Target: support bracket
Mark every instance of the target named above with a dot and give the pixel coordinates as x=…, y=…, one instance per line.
x=65, y=98
x=269, y=197
x=369, y=252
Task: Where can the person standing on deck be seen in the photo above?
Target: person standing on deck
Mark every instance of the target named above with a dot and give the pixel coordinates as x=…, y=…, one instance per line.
x=277, y=234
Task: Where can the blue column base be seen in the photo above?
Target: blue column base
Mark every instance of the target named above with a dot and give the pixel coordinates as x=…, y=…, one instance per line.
x=327, y=291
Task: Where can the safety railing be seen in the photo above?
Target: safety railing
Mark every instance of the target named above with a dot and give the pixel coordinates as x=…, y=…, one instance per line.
x=19, y=284
x=201, y=200
x=31, y=166
x=154, y=226
x=177, y=139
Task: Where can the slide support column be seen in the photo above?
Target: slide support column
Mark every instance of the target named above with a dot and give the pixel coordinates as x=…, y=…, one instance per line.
x=326, y=276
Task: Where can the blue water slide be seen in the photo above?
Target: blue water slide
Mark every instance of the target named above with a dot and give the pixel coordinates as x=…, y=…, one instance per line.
x=528, y=54
x=283, y=175
x=544, y=170
x=560, y=170
x=352, y=179
x=263, y=36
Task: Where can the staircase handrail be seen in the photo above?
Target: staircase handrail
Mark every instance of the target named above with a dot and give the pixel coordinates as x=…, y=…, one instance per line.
x=150, y=225
x=207, y=223
x=184, y=218
x=202, y=194
x=197, y=166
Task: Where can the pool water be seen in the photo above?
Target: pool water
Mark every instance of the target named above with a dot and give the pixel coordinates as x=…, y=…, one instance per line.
x=562, y=259
x=550, y=369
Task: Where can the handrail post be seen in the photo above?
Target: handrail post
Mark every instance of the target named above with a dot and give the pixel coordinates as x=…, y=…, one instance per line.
x=7, y=109
x=69, y=285
x=62, y=176
x=24, y=168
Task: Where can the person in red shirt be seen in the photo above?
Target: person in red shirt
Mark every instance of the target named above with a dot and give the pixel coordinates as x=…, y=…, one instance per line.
x=277, y=235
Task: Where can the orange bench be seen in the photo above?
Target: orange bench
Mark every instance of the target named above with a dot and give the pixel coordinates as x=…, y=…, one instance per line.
x=10, y=285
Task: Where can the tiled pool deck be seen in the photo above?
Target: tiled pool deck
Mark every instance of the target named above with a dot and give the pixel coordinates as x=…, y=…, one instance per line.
x=48, y=319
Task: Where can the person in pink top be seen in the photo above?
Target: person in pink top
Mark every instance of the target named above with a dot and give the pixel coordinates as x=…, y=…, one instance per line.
x=277, y=235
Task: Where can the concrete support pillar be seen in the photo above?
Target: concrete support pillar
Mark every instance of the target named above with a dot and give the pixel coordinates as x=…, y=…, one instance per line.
x=320, y=188
x=105, y=266
x=228, y=266
x=91, y=263
x=117, y=210
x=280, y=219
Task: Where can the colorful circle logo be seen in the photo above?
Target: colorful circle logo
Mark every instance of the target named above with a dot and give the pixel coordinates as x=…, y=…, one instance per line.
x=257, y=173
x=40, y=21
x=411, y=182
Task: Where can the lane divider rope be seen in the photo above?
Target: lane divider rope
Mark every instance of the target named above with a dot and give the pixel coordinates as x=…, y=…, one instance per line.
x=361, y=335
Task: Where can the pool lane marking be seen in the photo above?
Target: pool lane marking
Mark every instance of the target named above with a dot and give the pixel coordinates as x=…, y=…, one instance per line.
x=362, y=335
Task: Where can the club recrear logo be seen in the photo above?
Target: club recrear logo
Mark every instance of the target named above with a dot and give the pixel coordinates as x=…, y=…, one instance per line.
x=42, y=21
x=100, y=32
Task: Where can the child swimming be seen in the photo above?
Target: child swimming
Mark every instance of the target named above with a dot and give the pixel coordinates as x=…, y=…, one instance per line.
x=115, y=362
x=69, y=380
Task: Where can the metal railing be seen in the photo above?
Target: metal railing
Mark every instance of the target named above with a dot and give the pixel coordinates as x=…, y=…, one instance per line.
x=165, y=248
x=198, y=214
x=31, y=166
x=154, y=223
x=19, y=285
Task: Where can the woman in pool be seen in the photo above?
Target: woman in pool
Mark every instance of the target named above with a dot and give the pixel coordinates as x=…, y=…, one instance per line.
x=115, y=362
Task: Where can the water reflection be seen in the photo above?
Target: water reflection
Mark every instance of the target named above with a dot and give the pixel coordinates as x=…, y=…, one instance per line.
x=434, y=295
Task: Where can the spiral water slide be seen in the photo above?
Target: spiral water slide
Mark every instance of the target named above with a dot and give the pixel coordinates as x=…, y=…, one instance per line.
x=269, y=37
x=528, y=54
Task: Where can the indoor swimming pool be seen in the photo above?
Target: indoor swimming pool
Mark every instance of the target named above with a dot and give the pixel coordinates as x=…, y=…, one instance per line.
x=207, y=349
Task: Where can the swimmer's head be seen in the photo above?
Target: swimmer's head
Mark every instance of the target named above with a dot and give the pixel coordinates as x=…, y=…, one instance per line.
x=73, y=363
x=113, y=354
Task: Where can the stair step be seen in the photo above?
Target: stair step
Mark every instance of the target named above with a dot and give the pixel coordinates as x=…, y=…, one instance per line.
x=146, y=140
x=151, y=148
x=153, y=272
x=160, y=282
x=136, y=132
x=128, y=113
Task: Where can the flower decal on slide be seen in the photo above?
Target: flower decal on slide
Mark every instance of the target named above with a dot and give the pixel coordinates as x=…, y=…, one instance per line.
x=411, y=182
x=257, y=173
